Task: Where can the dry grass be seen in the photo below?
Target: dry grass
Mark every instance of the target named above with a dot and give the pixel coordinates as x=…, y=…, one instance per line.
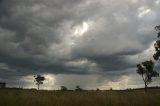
x=70, y=98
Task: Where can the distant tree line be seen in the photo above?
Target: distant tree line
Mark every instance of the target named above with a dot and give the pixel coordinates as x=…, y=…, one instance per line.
x=64, y=88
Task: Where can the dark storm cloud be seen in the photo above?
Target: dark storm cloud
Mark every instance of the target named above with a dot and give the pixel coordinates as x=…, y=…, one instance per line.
x=48, y=36
x=112, y=62
x=27, y=32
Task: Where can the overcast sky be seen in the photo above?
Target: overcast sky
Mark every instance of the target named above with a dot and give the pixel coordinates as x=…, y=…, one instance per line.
x=90, y=43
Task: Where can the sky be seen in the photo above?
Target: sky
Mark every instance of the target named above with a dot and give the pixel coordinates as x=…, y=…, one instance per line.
x=90, y=43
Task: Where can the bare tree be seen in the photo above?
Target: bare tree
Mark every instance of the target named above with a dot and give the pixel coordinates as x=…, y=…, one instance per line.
x=39, y=80
x=146, y=68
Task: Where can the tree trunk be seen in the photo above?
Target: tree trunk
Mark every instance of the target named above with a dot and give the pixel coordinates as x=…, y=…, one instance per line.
x=145, y=87
x=38, y=86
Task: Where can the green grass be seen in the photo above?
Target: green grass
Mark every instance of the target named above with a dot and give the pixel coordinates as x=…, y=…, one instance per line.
x=71, y=98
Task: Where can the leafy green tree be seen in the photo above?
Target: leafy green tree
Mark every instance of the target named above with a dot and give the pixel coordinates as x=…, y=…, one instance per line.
x=146, y=71
x=39, y=80
x=146, y=68
x=78, y=88
x=64, y=88
x=157, y=44
x=97, y=89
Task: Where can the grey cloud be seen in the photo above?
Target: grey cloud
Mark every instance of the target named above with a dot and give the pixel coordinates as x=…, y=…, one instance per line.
x=37, y=36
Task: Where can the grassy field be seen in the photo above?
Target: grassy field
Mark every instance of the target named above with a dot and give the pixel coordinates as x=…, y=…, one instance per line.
x=72, y=98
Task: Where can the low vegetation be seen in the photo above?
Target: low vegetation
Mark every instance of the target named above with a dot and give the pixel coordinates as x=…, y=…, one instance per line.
x=12, y=97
